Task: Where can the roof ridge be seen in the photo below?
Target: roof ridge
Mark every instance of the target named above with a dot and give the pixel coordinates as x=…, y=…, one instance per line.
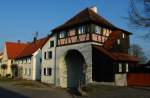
x=14, y=42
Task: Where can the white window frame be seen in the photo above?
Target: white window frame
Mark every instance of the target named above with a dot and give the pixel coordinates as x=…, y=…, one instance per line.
x=98, y=29
x=81, y=30
x=62, y=34
x=127, y=67
x=118, y=41
x=120, y=67
x=123, y=35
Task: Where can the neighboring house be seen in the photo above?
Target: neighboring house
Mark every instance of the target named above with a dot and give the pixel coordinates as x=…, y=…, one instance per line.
x=29, y=60
x=11, y=51
x=48, y=61
x=89, y=49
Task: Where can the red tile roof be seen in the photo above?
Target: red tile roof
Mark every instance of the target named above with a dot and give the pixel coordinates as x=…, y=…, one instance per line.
x=33, y=47
x=116, y=56
x=14, y=49
x=19, y=50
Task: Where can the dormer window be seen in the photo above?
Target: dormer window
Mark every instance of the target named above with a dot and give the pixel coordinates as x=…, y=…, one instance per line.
x=62, y=34
x=81, y=30
x=97, y=30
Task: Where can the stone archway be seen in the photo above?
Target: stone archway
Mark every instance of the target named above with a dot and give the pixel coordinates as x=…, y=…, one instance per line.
x=72, y=71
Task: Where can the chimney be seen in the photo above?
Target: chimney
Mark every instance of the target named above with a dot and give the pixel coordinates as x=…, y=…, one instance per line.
x=94, y=9
x=34, y=40
x=19, y=41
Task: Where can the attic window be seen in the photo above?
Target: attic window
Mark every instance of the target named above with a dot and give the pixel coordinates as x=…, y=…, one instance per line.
x=97, y=29
x=81, y=30
x=62, y=34
x=51, y=43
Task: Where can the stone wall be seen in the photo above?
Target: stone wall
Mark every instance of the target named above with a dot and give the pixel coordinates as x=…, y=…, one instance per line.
x=85, y=49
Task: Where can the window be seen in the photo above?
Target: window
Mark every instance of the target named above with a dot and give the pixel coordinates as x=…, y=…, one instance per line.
x=49, y=71
x=29, y=60
x=97, y=29
x=29, y=71
x=104, y=31
x=44, y=71
x=118, y=41
x=120, y=67
x=24, y=61
x=50, y=55
x=81, y=30
x=51, y=43
x=44, y=55
x=123, y=35
x=127, y=67
x=62, y=34
x=25, y=71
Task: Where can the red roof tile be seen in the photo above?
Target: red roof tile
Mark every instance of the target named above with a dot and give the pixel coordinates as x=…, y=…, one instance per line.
x=116, y=56
x=14, y=49
x=19, y=50
x=33, y=47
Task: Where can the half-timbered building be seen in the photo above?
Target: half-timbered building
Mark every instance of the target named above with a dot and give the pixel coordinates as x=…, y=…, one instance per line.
x=89, y=49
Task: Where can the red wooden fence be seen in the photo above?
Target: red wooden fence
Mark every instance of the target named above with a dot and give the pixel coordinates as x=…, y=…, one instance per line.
x=138, y=79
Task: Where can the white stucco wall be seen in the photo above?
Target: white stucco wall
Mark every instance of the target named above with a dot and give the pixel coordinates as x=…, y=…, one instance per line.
x=48, y=63
x=7, y=61
x=85, y=49
x=34, y=66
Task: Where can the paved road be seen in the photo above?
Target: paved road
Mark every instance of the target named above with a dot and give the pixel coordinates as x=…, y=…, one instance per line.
x=8, y=90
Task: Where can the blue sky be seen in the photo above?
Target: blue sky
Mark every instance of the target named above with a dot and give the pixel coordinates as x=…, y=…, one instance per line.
x=20, y=19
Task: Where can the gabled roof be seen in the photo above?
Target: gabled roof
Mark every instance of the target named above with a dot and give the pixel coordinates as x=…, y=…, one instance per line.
x=115, y=55
x=33, y=47
x=19, y=50
x=86, y=16
x=14, y=49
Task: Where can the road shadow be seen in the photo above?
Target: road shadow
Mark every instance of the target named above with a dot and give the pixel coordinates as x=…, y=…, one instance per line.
x=141, y=88
x=73, y=92
x=4, y=93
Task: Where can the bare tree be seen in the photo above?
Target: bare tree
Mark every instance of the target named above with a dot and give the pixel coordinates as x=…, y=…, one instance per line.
x=139, y=13
x=137, y=51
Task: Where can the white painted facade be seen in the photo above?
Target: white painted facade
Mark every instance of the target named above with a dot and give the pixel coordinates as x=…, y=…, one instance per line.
x=30, y=67
x=6, y=61
x=48, y=63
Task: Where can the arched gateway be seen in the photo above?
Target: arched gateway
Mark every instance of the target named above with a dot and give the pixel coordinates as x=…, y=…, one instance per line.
x=73, y=69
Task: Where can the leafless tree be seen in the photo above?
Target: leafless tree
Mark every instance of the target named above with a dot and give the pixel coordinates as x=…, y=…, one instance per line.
x=137, y=51
x=139, y=13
